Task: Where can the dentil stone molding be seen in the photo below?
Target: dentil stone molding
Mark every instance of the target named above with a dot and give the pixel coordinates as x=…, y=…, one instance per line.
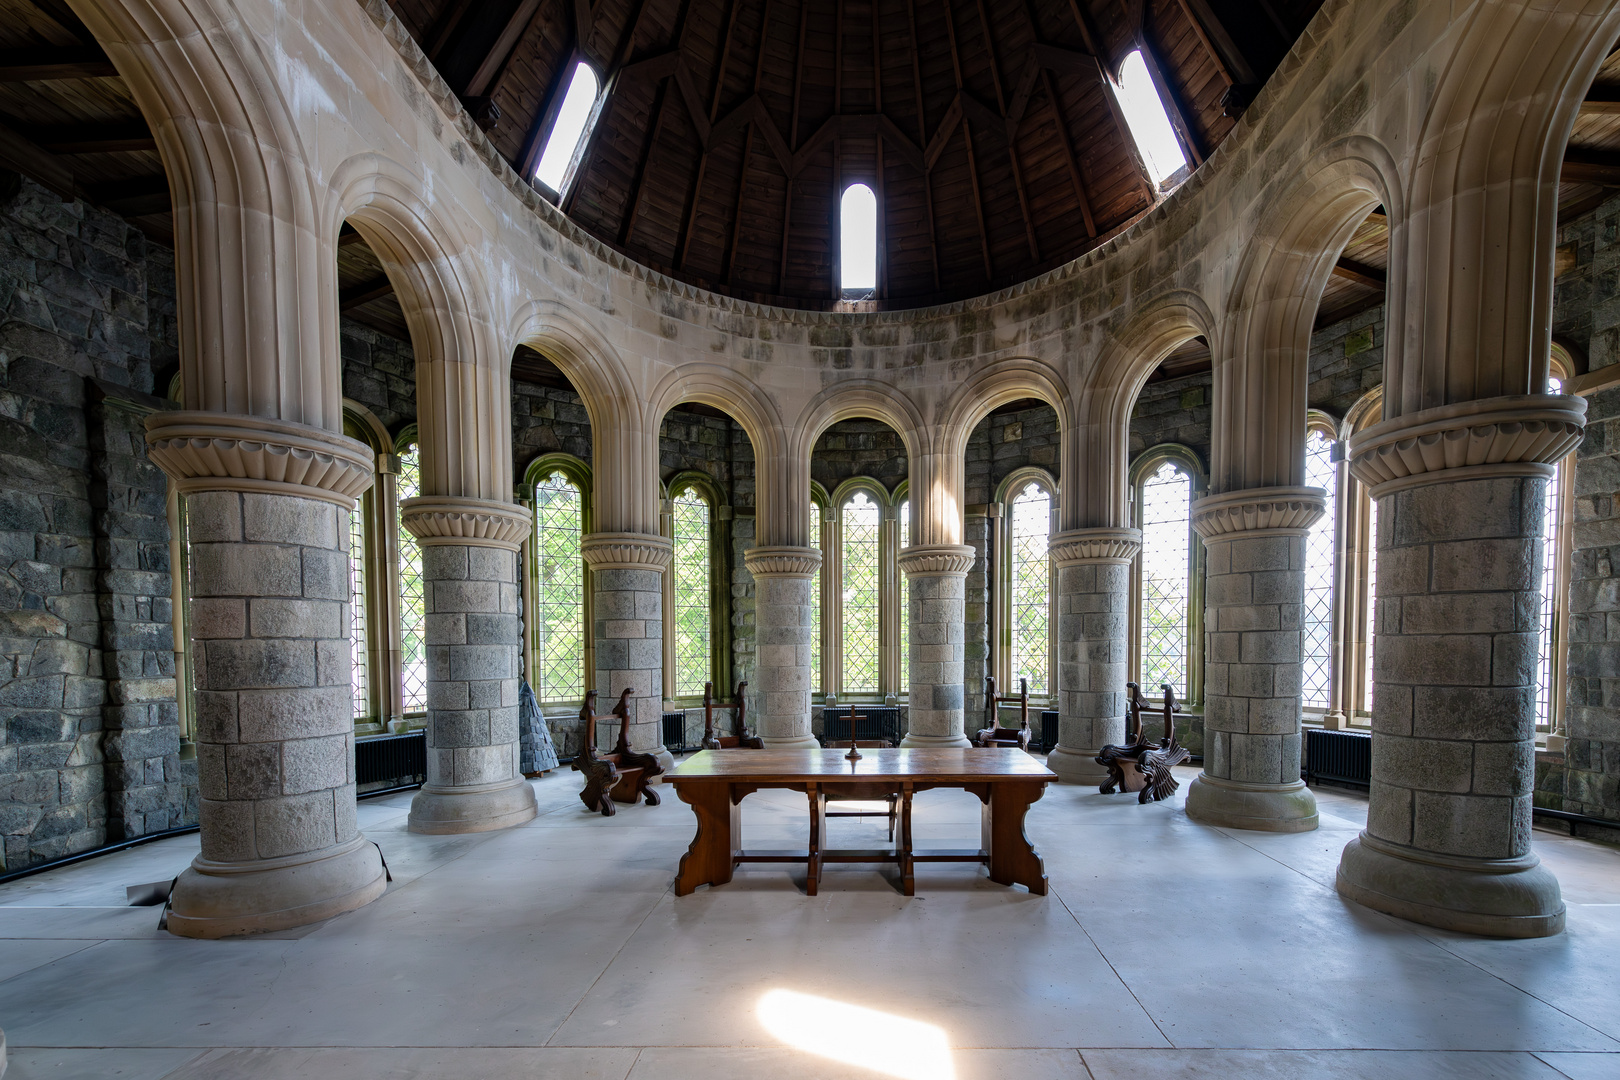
x=782, y=561
x=1518, y=435
x=448, y=519
x=1275, y=509
x=936, y=559
x=1079, y=546
x=210, y=451
x=626, y=551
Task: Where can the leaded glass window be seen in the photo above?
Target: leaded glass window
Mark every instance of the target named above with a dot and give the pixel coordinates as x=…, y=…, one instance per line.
x=816, y=680
x=560, y=589
x=1320, y=471
x=359, y=669
x=1372, y=598
x=859, y=546
x=1553, y=519
x=693, y=578
x=1166, y=501
x=905, y=602
x=1030, y=586
x=412, y=592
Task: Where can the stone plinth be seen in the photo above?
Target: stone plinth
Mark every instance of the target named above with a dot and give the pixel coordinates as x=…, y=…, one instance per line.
x=627, y=571
x=474, y=635
x=275, y=745
x=783, y=581
x=1254, y=595
x=1093, y=646
x=1447, y=841
x=936, y=577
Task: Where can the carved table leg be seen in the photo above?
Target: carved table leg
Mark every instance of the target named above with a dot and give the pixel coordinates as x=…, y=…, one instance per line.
x=1013, y=859
x=908, y=865
x=709, y=861
x=818, y=832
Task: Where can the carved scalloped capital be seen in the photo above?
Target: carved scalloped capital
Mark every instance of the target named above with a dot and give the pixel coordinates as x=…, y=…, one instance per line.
x=800, y=562
x=1078, y=546
x=450, y=519
x=1252, y=510
x=626, y=551
x=209, y=451
x=1518, y=435
x=922, y=559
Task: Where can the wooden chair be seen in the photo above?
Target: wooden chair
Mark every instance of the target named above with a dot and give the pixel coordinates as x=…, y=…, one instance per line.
x=893, y=799
x=624, y=776
x=993, y=733
x=1141, y=766
x=740, y=735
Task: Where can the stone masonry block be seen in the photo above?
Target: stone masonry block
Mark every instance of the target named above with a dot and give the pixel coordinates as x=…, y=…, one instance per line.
x=292, y=824
x=283, y=519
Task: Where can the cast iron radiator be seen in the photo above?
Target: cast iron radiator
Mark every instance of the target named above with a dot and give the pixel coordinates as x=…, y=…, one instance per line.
x=1047, y=735
x=882, y=722
x=675, y=731
x=1344, y=757
x=391, y=760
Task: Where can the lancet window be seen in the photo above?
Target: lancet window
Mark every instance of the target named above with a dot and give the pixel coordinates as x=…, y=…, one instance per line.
x=1167, y=638
x=558, y=634
x=1321, y=563
x=694, y=578
x=412, y=596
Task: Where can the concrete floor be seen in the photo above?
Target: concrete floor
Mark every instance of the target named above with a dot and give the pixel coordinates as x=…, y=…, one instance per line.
x=1165, y=949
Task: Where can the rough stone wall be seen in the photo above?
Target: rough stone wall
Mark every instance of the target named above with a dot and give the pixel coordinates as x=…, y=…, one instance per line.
x=380, y=373
x=547, y=421
x=87, y=694
x=1588, y=281
x=1347, y=360
x=1174, y=411
x=1004, y=442
x=858, y=448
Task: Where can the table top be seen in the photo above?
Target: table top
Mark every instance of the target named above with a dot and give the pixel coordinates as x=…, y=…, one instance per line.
x=957, y=765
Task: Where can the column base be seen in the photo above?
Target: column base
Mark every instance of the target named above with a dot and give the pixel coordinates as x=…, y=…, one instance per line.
x=439, y=811
x=666, y=761
x=1260, y=807
x=790, y=742
x=1504, y=898
x=934, y=742
x=1076, y=766
x=215, y=899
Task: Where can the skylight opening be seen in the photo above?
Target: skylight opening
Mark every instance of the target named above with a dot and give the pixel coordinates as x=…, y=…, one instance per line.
x=1150, y=125
x=857, y=243
x=568, y=129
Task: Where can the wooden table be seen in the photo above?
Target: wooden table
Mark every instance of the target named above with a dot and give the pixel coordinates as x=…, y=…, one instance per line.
x=1007, y=781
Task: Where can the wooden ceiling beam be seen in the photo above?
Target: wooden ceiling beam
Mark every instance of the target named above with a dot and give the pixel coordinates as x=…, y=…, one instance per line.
x=792, y=142
x=136, y=197
x=1106, y=85
x=1068, y=155
x=1590, y=167
x=683, y=238
x=1209, y=28
x=930, y=155
x=365, y=292
x=1360, y=273
x=486, y=77
x=38, y=164
x=103, y=139
x=47, y=64
x=615, y=68
x=1174, y=107
x=1602, y=99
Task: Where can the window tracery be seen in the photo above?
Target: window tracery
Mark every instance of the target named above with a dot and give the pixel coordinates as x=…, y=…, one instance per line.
x=1321, y=562
x=559, y=586
x=412, y=606
x=693, y=572
x=1167, y=630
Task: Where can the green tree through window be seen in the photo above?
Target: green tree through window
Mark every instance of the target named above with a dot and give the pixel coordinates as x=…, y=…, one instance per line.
x=560, y=593
x=861, y=517
x=1166, y=511
x=359, y=681
x=693, y=580
x=1031, y=580
x=1317, y=684
x=905, y=602
x=412, y=609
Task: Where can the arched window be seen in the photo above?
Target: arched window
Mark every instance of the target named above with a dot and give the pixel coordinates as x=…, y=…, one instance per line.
x=818, y=513
x=1359, y=572
x=359, y=645
x=860, y=520
x=559, y=585
x=1150, y=126
x=1556, y=570
x=412, y=606
x=904, y=677
x=1029, y=579
x=857, y=242
x=1317, y=619
x=694, y=578
x=1164, y=587
x=560, y=157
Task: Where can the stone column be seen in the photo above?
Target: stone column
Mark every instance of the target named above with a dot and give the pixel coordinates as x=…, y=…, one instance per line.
x=474, y=638
x=1254, y=592
x=936, y=577
x=1093, y=646
x=1447, y=841
x=270, y=627
x=783, y=580
x=628, y=589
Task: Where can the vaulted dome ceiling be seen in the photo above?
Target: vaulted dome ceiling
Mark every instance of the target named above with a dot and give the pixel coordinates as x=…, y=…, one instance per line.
x=727, y=128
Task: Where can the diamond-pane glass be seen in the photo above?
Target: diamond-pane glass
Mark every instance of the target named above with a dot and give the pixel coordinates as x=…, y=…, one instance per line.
x=905, y=602
x=1166, y=566
x=1031, y=580
x=692, y=591
x=816, y=681
x=359, y=669
x=1549, y=590
x=1317, y=687
x=859, y=545
x=559, y=590
x=1372, y=598
x=412, y=609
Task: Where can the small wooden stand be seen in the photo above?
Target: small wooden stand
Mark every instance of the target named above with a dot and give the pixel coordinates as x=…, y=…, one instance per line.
x=740, y=735
x=996, y=735
x=622, y=776
x=1141, y=766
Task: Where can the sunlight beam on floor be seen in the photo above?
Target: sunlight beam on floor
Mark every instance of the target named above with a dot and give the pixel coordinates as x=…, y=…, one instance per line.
x=856, y=1035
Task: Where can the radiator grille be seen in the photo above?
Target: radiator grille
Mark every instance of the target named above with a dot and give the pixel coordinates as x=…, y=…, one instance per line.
x=675, y=731
x=1048, y=733
x=1344, y=757
x=882, y=722
x=390, y=761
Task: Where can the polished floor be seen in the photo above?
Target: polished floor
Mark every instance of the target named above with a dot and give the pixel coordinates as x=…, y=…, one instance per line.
x=556, y=950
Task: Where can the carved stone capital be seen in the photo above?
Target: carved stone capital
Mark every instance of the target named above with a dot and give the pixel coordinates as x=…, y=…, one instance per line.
x=1079, y=546
x=1518, y=435
x=1252, y=510
x=448, y=519
x=800, y=562
x=209, y=451
x=936, y=559
x=626, y=551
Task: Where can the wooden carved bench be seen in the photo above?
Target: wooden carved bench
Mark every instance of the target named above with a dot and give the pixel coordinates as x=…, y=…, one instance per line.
x=624, y=775
x=996, y=735
x=740, y=735
x=1141, y=766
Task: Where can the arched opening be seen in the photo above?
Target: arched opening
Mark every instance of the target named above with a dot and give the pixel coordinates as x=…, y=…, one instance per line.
x=569, y=127
x=857, y=243
x=1146, y=117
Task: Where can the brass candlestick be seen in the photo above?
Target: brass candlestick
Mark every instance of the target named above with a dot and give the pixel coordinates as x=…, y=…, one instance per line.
x=854, y=752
